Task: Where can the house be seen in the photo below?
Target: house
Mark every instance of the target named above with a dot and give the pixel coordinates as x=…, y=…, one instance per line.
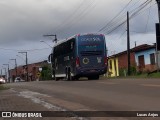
x=118, y=63
x=145, y=58
x=142, y=59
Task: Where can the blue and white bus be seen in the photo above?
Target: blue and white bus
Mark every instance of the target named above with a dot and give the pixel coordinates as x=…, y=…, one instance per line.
x=83, y=55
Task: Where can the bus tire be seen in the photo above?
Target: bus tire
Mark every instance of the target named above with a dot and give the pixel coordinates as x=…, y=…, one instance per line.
x=54, y=76
x=56, y=79
x=68, y=74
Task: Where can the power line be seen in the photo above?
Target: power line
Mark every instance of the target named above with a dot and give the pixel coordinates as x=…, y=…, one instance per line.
x=148, y=18
x=133, y=14
x=68, y=18
x=114, y=17
x=24, y=50
x=79, y=18
x=76, y=17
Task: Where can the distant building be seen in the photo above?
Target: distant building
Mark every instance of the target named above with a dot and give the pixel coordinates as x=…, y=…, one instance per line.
x=33, y=70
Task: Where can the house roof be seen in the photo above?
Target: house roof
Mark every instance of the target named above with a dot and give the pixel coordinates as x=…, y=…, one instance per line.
x=143, y=47
x=135, y=49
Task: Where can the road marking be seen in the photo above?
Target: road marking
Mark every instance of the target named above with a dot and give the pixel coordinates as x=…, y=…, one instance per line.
x=150, y=85
x=36, y=98
x=33, y=96
x=108, y=83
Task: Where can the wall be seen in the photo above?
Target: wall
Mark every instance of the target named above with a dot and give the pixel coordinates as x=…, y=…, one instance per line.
x=146, y=53
x=123, y=60
x=113, y=70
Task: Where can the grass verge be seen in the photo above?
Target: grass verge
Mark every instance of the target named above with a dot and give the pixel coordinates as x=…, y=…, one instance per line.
x=2, y=87
x=143, y=75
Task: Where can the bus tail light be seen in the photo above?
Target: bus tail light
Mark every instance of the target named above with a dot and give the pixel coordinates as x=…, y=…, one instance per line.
x=77, y=62
x=105, y=60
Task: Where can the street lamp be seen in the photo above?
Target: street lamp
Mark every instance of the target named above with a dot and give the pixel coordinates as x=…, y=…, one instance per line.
x=46, y=43
x=15, y=65
x=8, y=72
x=55, y=40
x=26, y=63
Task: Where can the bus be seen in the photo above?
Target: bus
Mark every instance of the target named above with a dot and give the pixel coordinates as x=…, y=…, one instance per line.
x=82, y=55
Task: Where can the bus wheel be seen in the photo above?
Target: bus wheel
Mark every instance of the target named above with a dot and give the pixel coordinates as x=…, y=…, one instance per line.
x=68, y=75
x=54, y=76
x=56, y=79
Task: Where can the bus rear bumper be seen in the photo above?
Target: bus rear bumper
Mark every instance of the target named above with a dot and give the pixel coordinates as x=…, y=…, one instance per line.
x=92, y=71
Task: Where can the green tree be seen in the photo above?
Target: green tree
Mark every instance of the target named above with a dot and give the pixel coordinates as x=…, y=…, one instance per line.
x=46, y=73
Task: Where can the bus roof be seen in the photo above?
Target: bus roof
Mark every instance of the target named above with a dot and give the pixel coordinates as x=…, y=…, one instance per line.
x=74, y=36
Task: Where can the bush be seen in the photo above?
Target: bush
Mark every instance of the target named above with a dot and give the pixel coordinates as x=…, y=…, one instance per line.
x=46, y=73
x=124, y=71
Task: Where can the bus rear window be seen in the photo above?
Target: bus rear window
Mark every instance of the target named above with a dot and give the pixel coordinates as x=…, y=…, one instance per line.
x=91, y=43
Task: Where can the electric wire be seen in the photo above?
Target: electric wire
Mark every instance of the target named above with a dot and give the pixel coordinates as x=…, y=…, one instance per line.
x=114, y=28
x=79, y=18
x=133, y=14
x=79, y=15
x=68, y=18
x=114, y=17
x=31, y=50
x=148, y=18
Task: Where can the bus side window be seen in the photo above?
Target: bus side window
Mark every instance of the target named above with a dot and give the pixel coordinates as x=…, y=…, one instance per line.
x=57, y=51
x=71, y=45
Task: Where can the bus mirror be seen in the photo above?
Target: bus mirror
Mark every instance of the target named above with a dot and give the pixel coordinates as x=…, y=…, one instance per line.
x=49, y=58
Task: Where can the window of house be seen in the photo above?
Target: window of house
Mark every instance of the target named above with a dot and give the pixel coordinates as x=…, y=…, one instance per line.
x=152, y=59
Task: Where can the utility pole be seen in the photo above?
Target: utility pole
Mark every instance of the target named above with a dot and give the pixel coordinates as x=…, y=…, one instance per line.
x=55, y=40
x=15, y=65
x=128, y=44
x=158, y=4
x=26, y=64
x=158, y=38
x=5, y=72
x=8, y=72
x=1, y=72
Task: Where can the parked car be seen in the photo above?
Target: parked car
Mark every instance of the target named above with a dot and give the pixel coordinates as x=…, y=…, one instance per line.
x=18, y=79
x=2, y=80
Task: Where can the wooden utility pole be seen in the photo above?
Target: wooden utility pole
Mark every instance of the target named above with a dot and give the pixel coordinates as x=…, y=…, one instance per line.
x=8, y=73
x=128, y=44
x=158, y=38
x=26, y=64
x=15, y=65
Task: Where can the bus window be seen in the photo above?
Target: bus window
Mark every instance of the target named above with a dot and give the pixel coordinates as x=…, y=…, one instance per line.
x=91, y=45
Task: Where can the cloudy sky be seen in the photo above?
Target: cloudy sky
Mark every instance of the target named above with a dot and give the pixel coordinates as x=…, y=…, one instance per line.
x=24, y=22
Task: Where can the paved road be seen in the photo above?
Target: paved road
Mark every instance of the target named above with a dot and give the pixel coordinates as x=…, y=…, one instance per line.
x=98, y=95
